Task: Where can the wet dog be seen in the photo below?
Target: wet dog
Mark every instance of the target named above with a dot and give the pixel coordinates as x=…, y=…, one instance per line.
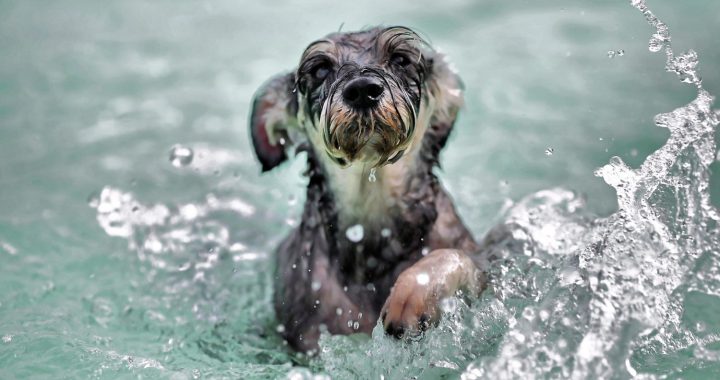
x=379, y=236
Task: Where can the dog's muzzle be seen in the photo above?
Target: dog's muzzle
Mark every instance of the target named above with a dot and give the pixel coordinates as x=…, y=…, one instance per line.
x=367, y=118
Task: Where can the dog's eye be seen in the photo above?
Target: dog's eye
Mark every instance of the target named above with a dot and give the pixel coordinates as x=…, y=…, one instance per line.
x=400, y=59
x=320, y=72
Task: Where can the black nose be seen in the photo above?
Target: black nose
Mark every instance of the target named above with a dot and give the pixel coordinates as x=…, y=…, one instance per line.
x=363, y=92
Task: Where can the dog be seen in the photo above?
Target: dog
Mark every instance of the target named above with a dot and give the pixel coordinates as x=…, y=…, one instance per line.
x=379, y=236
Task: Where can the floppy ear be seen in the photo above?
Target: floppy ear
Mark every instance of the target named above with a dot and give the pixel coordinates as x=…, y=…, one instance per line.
x=274, y=110
x=446, y=88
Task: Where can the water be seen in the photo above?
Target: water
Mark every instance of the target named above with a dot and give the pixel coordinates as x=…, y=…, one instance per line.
x=117, y=263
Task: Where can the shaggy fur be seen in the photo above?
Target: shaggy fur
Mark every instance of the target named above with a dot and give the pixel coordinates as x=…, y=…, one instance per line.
x=410, y=227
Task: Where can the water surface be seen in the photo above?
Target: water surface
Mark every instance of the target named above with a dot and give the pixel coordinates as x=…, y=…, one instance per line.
x=94, y=96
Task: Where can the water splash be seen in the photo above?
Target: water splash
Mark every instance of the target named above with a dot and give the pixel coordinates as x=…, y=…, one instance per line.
x=156, y=231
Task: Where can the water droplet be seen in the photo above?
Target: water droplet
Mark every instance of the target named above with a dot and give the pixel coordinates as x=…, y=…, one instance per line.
x=181, y=156
x=549, y=151
x=93, y=200
x=637, y=3
x=386, y=232
x=280, y=328
x=316, y=285
x=338, y=311
x=189, y=211
x=449, y=305
x=544, y=315
x=655, y=44
x=371, y=176
x=422, y=278
x=356, y=325
x=425, y=251
x=355, y=233
x=528, y=313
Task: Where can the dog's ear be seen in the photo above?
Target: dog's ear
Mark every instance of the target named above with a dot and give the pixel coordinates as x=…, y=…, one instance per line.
x=447, y=89
x=274, y=112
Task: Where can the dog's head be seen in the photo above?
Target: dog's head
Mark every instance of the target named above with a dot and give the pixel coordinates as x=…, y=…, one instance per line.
x=356, y=97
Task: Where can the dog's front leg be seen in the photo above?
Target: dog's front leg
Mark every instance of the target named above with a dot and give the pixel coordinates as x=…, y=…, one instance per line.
x=413, y=303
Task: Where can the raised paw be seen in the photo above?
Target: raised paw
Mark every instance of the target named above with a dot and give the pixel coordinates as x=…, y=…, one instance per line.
x=413, y=303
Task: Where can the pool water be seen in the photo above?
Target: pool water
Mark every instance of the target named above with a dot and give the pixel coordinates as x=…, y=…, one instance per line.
x=123, y=257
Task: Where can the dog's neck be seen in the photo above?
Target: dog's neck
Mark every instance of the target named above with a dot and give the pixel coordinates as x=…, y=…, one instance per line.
x=396, y=211
x=367, y=197
x=372, y=198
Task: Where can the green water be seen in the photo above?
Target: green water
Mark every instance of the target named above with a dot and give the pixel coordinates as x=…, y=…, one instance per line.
x=95, y=94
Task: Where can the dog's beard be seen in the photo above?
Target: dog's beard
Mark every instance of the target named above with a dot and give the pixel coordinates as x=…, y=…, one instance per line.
x=376, y=137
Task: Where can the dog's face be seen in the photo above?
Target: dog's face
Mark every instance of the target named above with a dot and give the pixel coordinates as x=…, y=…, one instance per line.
x=362, y=93
x=355, y=97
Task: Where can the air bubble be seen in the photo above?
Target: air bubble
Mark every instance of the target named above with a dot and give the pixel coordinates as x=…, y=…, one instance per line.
x=422, y=279
x=316, y=285
x=355, y=233
x=385, y=232
x=528, y=313
x=181, y=156
x=549, y=151
x=7, y=338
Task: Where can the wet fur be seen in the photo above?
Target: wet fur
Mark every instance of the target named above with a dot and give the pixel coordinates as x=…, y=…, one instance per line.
x=322, y=278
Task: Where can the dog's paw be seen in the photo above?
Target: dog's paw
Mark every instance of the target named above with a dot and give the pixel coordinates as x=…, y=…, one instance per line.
x=413, y=303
